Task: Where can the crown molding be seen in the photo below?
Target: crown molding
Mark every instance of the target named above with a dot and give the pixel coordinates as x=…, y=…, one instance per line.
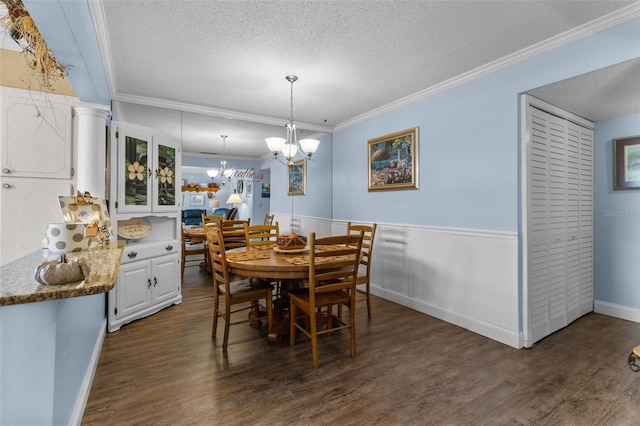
x=215, y=112
x=100, y=27
x=622, y=15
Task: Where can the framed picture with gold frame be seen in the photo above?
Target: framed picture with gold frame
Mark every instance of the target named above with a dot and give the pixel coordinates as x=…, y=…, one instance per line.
x=393, y=161
x=626, y=163
x=297, y=177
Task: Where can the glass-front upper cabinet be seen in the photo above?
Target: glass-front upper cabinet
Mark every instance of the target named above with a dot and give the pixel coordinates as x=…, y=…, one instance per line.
x=148, y=171
x=167, y=159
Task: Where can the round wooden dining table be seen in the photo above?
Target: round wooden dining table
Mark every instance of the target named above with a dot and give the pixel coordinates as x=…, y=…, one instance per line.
x=291, y=268
x=267, y=263
x=197, y=234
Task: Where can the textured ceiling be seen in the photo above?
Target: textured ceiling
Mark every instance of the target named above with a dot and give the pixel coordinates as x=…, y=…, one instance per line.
x=599, y=95
x=202, y=68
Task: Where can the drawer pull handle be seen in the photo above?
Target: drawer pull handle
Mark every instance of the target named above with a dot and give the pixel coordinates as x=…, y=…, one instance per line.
x=169, y=247
x=5, y=170
x=155, y=281
x=132, y=254
x=149, y=281
x=6, y=186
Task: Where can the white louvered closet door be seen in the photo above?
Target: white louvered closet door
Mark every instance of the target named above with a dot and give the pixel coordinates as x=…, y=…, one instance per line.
x=558, y=246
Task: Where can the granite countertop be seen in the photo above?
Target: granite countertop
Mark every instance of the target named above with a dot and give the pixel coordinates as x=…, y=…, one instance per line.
x=18, y=285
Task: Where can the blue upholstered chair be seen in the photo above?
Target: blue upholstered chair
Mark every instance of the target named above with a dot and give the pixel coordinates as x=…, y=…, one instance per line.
x=222, y=211
x=192, y=217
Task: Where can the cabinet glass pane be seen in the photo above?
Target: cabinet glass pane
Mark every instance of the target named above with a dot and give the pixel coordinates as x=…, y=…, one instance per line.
x=166, y=175
x=136, y=165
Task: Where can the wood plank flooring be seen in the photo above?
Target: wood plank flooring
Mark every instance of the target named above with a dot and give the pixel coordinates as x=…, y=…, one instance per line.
x=411, y=369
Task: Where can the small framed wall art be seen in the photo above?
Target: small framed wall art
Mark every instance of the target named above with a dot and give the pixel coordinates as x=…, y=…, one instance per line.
x=297, y=177
x=626, y=163
x=393, y=161
x=266, y=190
x=197, y=200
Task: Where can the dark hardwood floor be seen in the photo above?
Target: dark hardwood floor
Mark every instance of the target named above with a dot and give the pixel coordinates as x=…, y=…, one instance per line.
x=411, y=369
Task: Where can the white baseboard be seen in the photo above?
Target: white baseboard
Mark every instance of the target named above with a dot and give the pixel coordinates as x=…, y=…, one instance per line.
x=507, y=337
x=83, y=395
x=617, y=311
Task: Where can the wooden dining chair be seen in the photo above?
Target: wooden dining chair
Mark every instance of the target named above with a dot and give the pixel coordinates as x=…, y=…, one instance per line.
x=263, y=236
x=189, y=251
x=329, y=286
x=364, y=276
x=239, y=292
x=208, y=219
x=268, y=219
x=233, y=233
x=260, y=235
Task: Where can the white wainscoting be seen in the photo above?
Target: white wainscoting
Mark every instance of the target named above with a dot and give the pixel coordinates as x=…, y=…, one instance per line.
x=465, y=277
x=303, y=225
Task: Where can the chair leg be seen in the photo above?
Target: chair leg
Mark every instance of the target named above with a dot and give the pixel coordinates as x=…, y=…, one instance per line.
x=292, y=321
x=216, y=299
x=227, y=318
x=352, y=324
x=269, y=302
x=330, y=317
x=368, y=300
x=314, y=338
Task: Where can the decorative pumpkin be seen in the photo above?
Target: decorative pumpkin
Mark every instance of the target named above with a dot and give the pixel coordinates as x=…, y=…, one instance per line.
x=62, y=271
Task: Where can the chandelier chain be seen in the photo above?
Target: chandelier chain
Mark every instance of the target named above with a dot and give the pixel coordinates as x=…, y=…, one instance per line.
x=291, y=105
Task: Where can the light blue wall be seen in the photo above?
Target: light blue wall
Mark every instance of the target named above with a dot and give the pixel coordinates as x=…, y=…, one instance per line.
x=616, y=221
x=469, y=138
x=45, y=353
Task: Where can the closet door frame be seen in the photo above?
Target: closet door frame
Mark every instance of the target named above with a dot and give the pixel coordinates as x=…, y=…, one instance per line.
x=527, y=102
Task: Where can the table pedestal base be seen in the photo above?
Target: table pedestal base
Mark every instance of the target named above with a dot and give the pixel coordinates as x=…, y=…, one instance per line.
x=280, y=326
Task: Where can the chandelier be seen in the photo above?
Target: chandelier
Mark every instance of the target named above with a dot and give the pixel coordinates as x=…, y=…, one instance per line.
x=288, y=147
x=225, y=171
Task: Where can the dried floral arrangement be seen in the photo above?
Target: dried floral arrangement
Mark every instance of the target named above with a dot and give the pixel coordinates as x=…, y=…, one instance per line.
x=23, y=30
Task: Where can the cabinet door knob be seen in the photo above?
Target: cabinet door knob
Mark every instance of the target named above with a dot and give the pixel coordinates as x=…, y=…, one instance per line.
x=5, y=170
x=6, y=185
x=149, y=281
x=169, y=247
x=132, y=254
x=155, y=281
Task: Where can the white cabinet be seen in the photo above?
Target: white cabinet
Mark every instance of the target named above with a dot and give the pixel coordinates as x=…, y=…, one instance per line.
x=145, y=286
x=36, y=136
x=147, y=170
x=133, y=293
x=23, y=225
x=36, y=165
